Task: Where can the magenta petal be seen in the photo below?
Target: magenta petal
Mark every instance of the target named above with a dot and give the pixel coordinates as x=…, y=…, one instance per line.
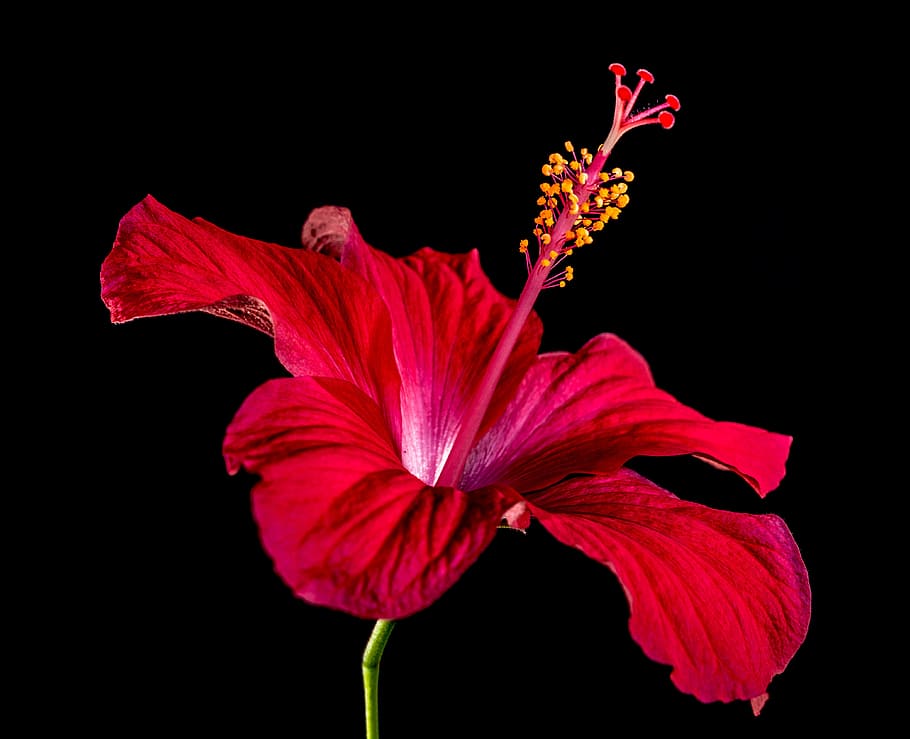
x=446, y=320
x=325, y=320
x=344, y=523
x=592, y=411
x=722, y=597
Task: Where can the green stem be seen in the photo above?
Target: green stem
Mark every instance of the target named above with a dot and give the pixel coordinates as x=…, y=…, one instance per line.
x=371, y=656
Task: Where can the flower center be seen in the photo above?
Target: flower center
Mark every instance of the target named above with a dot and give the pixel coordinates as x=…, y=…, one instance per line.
x=579, y=200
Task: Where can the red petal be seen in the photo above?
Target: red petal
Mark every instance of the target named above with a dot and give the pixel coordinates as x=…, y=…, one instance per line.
x=325, y=320
x=722, y=597
x=345, y=524
x=446, y=320
x=594, y=410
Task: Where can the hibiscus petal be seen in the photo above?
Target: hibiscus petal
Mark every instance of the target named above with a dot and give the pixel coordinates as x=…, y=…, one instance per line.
x=446, y=320
x=722, y=597
x=325, y=320
x=344, y=523
x=592, y=411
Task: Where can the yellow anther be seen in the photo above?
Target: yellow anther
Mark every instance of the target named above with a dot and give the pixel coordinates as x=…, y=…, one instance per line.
x=562, y=283
x=523, y=245
x=588, y=216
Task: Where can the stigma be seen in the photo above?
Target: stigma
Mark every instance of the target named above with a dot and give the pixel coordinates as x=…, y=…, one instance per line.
x=580, y=196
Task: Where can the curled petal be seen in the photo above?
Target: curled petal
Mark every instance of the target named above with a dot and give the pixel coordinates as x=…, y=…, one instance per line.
x=344, y=523
x=325, y=320
x=592, y=411
x=446, y=320
x=722, y=597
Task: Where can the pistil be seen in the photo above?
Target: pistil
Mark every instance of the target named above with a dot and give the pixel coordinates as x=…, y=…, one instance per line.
x=580, y=199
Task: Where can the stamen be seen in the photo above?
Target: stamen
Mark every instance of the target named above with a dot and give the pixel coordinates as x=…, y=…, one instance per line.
x=581, y=197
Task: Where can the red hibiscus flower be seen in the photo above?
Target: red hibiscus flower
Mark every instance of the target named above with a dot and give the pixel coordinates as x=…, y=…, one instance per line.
x=419, y=418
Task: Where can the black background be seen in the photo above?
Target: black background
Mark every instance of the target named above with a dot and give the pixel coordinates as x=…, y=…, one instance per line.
x=166, y=610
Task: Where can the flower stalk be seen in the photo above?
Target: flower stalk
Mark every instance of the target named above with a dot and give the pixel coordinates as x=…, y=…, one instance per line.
x=371, y=657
